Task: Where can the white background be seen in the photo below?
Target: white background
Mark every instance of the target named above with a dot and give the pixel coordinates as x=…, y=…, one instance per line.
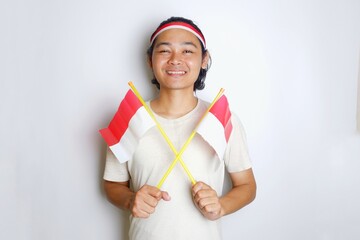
x=289, y=68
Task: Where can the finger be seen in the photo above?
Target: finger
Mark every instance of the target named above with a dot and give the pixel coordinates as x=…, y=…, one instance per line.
x=199, y=186
x=152, y=201
x=153, y=191
x=144, y=206
x=205, y=193
x=196, y=188
x=143, y=197
x=211, y=209
x=165, y=196
x=140, y=214
x=208, y=203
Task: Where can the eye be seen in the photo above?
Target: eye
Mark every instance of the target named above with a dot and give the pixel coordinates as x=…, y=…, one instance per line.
x=163, y=51
x=188, y=51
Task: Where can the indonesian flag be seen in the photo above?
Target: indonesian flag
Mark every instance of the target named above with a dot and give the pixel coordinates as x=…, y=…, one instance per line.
x=216, y=127
x=129, y=124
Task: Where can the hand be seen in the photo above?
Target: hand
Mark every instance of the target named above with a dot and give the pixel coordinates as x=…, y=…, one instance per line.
x=145, y=201
x=207, y=201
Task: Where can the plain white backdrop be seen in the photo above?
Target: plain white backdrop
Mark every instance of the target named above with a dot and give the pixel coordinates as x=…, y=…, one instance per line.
x=289, y=68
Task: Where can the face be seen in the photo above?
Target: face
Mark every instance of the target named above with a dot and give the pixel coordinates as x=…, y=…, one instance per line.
x=177, y=59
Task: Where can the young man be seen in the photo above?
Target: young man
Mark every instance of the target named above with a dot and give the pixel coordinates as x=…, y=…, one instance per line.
x=180, y=210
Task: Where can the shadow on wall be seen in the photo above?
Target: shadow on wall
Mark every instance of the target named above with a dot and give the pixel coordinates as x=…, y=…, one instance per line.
x=358, y=100
x=123, y=223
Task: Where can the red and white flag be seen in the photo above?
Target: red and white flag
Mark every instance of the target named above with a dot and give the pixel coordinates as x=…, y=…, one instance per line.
x=216, y=127
x=129, y=124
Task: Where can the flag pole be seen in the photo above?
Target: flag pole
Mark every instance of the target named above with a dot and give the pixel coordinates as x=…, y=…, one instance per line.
x=162, y=133
x=188, y=141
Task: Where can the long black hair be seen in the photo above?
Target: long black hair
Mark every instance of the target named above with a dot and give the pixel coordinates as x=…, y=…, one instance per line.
x=200, y=82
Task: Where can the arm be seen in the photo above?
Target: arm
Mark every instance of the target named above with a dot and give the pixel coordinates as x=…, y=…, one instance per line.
x=141, y=203
x=242, y=193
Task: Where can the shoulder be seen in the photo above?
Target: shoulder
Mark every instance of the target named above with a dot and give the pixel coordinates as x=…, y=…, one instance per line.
x=235, y=118
x=238, y=133
x=202, y=105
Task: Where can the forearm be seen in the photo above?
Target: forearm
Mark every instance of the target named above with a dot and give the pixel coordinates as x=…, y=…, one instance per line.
x=237, y=198
x=119, y=194
x=242, y=193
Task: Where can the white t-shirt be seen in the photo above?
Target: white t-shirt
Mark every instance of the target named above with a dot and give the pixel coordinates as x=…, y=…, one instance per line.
x=179, y=218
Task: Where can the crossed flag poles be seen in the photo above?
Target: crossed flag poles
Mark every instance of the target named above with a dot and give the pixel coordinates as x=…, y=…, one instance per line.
x=130, y=123
x=183, y=148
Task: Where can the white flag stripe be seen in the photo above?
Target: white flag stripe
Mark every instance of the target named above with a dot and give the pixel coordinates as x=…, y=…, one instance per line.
x=212, y=131
x=138, y=125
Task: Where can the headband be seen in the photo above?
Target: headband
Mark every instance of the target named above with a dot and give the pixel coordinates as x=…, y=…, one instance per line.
x=178, y=25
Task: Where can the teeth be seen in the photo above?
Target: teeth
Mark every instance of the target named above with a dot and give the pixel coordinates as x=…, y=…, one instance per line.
x=176, y=72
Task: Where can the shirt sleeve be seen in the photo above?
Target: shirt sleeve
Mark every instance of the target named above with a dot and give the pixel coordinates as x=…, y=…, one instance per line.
x=237, y=154
x=114, y=170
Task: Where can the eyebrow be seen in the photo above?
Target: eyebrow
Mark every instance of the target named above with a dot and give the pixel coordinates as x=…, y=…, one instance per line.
x=169, y=44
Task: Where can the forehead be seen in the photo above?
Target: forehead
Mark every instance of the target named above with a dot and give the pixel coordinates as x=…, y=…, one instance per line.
x=177, y=36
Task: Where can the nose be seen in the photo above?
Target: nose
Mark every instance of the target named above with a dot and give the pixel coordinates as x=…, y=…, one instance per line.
x=175, y=58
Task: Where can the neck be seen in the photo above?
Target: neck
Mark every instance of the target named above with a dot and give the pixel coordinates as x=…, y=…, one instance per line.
x=174, y=105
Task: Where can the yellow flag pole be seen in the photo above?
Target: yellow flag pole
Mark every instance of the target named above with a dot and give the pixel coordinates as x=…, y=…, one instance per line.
x=188, y=141
x=162, y=133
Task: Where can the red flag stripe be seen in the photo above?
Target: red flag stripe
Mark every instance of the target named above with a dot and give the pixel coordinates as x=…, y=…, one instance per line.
x=222, y=112
x=120, y=122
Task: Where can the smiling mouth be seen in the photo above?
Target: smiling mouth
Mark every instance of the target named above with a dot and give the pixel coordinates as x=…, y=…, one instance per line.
x=175, y=72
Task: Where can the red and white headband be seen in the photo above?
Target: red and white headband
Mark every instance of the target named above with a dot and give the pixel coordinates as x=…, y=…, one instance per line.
x=179, y=25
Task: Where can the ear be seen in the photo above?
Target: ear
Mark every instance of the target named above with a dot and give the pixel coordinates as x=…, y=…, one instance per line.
x=205, y=60
x=149, y=62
